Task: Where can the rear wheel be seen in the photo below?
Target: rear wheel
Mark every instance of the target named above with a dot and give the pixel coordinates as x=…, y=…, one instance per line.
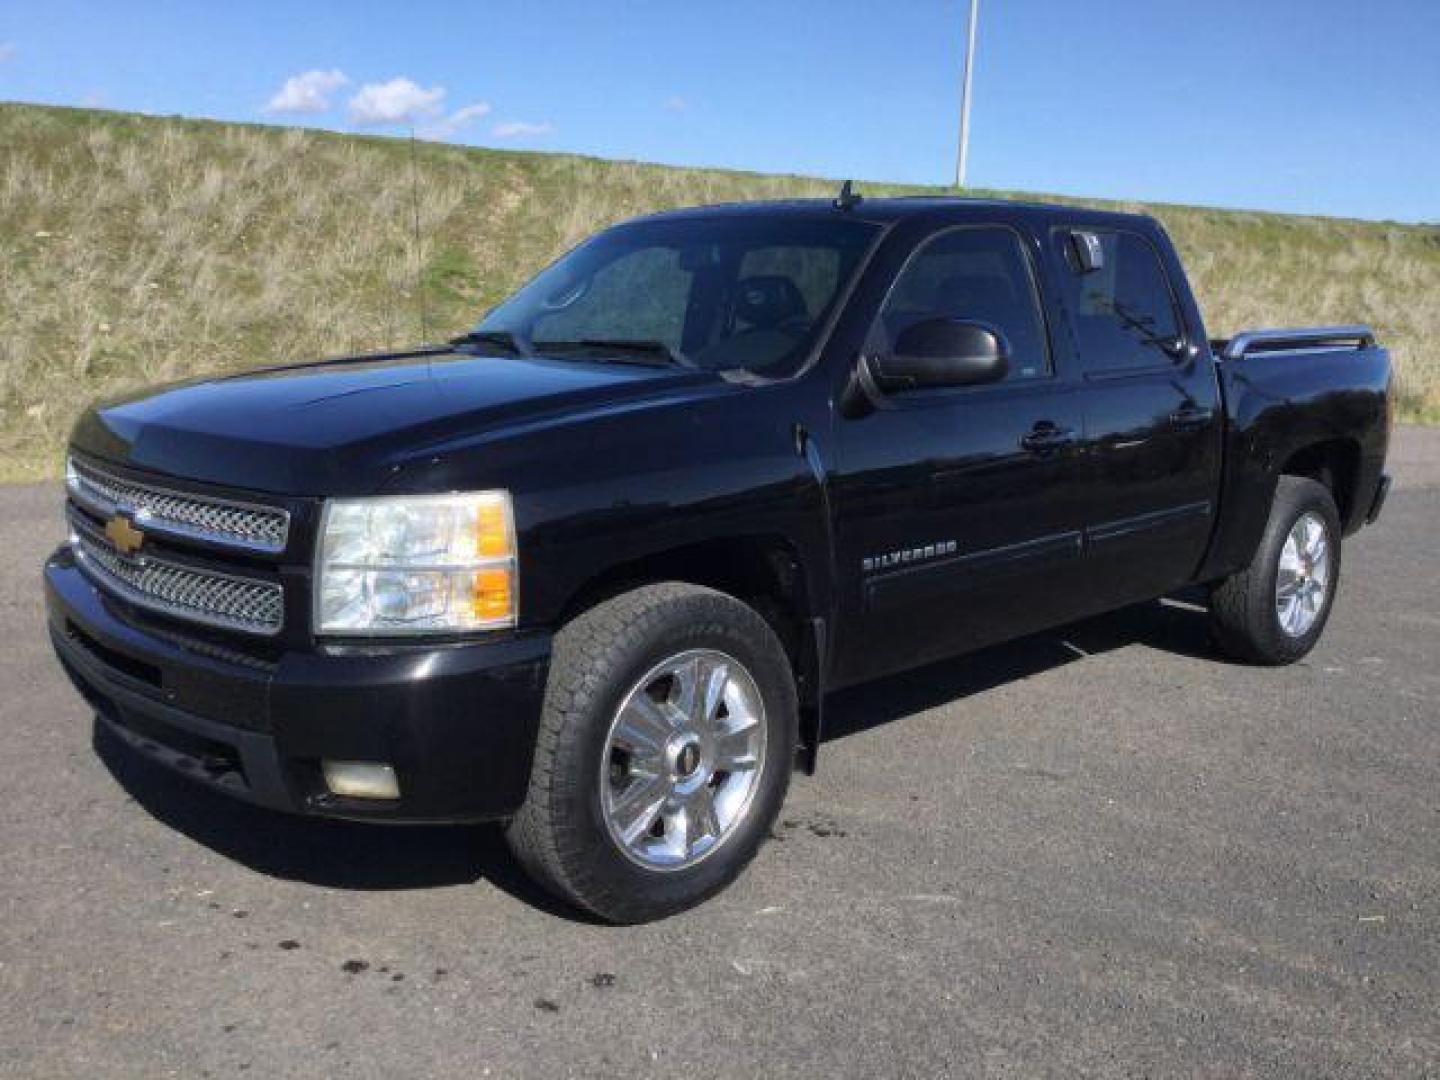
x=664, y=752
x=1274, y=611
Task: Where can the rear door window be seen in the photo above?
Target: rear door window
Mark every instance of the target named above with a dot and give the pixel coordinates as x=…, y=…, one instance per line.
x=1124, y=312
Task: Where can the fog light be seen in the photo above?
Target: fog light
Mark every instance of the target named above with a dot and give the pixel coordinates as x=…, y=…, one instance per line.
x=361, y=779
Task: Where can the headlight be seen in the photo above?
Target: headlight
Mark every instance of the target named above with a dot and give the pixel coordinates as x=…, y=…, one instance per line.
x=425, y=564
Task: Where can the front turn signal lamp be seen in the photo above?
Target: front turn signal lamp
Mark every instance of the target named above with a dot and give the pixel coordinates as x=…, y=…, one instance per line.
x=417, y=564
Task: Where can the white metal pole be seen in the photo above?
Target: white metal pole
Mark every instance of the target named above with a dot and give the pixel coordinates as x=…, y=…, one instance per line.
x=964, y=153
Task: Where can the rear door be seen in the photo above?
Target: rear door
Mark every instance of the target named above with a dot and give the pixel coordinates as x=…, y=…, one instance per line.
x=1151, y=409
x=956, y=513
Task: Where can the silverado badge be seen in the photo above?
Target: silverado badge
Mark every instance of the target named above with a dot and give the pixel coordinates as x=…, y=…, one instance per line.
x=124, y=535
x=908, y=555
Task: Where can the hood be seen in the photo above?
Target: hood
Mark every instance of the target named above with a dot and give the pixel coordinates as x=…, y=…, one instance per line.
x=339, y=426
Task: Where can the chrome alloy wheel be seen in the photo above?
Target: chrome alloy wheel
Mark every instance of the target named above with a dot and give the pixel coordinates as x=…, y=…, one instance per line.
x=1303, y=579
x=683, y=759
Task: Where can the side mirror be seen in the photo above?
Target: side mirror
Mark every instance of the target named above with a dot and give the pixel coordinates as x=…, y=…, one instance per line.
x=941, y=353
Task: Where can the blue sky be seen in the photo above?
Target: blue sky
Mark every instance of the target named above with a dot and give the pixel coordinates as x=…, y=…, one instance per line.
x=1313, y=106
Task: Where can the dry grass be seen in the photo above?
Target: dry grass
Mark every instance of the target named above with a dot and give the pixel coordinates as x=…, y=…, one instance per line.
x=140, y=250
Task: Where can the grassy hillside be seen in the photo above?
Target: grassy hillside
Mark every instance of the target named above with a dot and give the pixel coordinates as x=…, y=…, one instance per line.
x=139, y=249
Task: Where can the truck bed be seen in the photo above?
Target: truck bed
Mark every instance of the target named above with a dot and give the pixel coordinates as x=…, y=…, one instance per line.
x=1322, y=391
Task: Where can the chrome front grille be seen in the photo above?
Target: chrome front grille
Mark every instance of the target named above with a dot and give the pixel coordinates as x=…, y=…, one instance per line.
x=244, y=526
x=159, y=584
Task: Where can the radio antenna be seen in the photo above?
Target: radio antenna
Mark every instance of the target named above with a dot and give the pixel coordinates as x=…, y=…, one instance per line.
x=419, y=261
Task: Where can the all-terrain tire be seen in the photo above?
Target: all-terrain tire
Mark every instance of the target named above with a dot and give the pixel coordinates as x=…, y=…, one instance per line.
x=560, y=834
x=1244, y=613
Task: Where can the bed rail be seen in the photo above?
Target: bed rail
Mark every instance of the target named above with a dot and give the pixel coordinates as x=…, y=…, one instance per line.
x=1303, y=337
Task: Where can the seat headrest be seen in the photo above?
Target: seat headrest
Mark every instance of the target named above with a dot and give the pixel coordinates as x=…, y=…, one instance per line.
x=767, y=300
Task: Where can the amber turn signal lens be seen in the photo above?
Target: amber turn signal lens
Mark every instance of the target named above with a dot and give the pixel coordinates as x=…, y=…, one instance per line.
x=492, y=531
x=492, y=595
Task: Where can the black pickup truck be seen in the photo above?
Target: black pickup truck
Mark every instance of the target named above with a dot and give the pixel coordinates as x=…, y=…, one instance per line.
x=593, y=568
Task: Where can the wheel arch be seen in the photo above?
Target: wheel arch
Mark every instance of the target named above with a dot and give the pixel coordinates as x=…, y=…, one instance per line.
x=769, y=572
x=1248, y=492
x=1335, y=463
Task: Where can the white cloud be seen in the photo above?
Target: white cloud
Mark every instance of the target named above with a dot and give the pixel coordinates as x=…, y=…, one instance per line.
x=675, y=104
x=7, y=51
x=308, y=92
x=398, y=101
x=514, y=129
x=457, y=121
x=469, y=113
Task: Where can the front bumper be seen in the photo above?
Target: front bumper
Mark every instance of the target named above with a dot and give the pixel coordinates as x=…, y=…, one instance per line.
x=457, y=722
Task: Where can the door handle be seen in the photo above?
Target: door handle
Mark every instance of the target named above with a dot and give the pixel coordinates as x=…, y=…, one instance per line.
x=1191, y=416
x=1046, y=437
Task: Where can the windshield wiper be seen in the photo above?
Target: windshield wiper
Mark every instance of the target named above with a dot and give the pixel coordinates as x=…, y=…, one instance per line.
x=618, y=350
x=503, y=340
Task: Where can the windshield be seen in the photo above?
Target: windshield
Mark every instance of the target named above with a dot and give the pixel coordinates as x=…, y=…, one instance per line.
x=718, y=293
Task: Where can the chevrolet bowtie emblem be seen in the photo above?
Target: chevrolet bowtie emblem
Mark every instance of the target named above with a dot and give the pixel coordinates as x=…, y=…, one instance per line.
x=125, y=536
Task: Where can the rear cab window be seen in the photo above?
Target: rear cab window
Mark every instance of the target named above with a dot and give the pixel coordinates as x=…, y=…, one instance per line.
x=1124, y=313
x=979, y=273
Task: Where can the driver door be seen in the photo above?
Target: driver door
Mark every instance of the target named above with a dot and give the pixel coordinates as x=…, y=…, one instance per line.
x=956, y=513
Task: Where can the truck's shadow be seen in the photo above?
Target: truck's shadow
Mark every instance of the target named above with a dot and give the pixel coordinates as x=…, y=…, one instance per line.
x=1177, y=625
x=338, y=854
x=373, y=857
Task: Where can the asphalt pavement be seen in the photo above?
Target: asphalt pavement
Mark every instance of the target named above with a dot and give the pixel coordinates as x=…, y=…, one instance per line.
x=1100, y=851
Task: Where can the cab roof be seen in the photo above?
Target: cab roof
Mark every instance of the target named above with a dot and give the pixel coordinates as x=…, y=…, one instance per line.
x=886, y=210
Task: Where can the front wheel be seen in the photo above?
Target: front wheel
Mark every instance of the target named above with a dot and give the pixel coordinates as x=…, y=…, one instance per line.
x=664, y=752
x=1274, y=610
